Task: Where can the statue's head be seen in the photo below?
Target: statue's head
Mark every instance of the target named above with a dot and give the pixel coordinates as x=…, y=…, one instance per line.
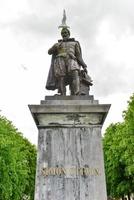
x=65, y=33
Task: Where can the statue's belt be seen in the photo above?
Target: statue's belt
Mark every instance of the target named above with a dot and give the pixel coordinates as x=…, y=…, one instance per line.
x=66, y=55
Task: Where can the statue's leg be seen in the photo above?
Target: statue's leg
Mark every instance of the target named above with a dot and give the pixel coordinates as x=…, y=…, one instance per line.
x=61, y=85
x=60, y=72
x=75, y=82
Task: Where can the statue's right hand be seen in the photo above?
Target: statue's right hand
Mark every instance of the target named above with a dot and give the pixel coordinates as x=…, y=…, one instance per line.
x=56, y=46
x=53, y=49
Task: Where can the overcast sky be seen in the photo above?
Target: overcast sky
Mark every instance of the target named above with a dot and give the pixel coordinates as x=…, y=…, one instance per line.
x=28, y=28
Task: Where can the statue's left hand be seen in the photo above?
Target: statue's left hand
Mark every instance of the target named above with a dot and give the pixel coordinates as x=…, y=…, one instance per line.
x=85, y=70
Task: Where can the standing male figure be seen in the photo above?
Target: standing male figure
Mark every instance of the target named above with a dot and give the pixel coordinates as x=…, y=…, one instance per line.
x=66, y=63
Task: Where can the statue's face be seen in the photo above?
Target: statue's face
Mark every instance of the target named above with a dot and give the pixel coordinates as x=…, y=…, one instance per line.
x=65, y=34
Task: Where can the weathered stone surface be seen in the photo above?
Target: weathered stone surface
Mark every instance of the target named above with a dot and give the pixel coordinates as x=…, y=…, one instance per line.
x=70, y=102
x=69, y=119
x=73, y=97
x=70, y=158
x=78, y=147
x=77, y=100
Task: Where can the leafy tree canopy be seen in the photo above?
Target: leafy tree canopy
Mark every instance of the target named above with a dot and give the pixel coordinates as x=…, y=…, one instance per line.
x=17, y=163
x=118, y=146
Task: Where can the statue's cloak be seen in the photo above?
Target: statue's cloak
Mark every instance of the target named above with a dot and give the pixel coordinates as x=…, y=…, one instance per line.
x=51, y=83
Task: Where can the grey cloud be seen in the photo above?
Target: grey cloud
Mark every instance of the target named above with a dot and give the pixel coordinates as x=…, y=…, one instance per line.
x=32, y=24
x=84, y=17
x=90, y=15
x=110, y=78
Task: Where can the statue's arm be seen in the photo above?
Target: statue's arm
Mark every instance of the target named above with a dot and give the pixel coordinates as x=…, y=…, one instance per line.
x=53, y=49
x=79, y=56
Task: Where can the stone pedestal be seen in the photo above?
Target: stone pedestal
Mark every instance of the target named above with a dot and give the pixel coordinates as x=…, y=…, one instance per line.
x=70, y=162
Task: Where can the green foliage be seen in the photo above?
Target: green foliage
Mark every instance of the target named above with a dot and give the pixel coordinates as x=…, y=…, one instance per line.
x=118, y=146
x=17, y=163
x=129, y=116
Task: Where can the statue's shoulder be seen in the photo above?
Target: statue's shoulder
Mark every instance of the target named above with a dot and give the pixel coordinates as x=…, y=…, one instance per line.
x=68, y=40
x=71, y=39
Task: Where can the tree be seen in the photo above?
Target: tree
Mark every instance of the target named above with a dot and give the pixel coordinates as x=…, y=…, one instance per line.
x=17, y=163
x=118, y=146
x=128, y=155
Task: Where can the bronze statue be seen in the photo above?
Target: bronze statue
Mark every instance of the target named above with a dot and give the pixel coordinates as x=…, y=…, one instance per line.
x=66, y=64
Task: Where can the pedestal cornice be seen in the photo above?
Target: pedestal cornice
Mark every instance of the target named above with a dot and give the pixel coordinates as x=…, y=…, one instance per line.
x=69, y=113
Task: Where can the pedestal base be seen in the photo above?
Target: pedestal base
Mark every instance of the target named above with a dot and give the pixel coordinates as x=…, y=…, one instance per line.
x=70, y=159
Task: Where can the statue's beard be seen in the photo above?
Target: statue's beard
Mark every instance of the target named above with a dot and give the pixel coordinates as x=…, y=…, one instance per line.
x=65, y=37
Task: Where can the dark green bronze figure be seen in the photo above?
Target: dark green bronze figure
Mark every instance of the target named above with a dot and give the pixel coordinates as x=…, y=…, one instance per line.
x=66, y=65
